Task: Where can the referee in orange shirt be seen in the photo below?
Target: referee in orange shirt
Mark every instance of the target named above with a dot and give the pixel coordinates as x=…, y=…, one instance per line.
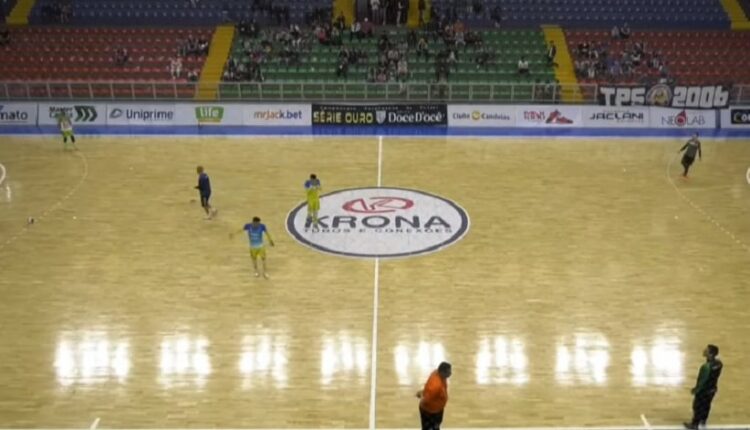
x=433, y=397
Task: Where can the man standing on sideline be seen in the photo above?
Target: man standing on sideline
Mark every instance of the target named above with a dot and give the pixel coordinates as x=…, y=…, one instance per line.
x=705, y=388
x=692, y=147
x=204, y=188
x=433, y=397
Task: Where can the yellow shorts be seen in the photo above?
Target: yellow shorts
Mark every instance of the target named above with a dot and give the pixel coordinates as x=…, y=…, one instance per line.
x=313, y=205
x=258, y=252
x=67, y=133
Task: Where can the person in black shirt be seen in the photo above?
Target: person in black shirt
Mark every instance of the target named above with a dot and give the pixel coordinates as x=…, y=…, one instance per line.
x=705, y=387
x=692, y=147
x=204, y=187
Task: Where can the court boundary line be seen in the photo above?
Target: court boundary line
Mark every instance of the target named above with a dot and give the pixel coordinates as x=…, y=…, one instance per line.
x=646, y=424
x=375, y=309
x=700, y=210
x=631, y=427
x=54, y=207
x=95, y=424
x=4, y=173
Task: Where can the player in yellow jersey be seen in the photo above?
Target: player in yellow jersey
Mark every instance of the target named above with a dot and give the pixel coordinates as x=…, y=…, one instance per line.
x=66, y=129
x=313, y=189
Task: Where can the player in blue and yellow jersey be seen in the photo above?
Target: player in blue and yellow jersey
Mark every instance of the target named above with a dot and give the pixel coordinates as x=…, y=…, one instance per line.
x=255, y=231
x=313, y=189
x=204, y=188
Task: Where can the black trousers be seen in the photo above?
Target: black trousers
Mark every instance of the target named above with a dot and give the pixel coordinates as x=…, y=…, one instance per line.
x=702, y=407
x=431, y=421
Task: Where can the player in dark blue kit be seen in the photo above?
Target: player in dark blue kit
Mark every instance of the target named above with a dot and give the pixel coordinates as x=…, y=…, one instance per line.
x=691, y=148
x=204, y=188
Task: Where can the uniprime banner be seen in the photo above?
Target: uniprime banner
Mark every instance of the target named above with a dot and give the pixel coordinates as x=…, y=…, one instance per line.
x=615, y=117
x=481, y=116
x=141, y=114
x=692, y=97
x=548, y=116
x=380, y=115
x=736, y=117
x=682, y=118
x=17, y=114
x=209, y=114
x=81, y=113
x=277, y=115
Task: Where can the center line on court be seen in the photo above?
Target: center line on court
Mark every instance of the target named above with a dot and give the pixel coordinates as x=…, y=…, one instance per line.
x=645, y=422
x=375, y=305
x=95, y=424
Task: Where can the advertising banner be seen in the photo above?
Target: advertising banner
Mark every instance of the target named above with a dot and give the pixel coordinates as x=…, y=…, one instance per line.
x=141, y=114
x=736, y=117
x=548, y=116
x=17, y=113
x=615, y=117
x=81, y=113
x=380, y=115
x=682, y=118
x=481, y=116
x=208, y=114
x=695, y=97
x=277, y=115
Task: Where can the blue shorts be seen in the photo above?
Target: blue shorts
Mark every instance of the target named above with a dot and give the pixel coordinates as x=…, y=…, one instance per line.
x=204, y=199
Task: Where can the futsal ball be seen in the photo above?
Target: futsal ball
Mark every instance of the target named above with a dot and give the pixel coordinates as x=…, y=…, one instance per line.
x=30, y=220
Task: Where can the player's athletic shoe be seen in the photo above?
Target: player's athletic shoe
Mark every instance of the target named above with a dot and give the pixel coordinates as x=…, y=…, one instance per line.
x=257, y=274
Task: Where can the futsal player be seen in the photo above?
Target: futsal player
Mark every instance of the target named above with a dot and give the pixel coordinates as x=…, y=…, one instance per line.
x=434, y=397
x=66, y=129
x=313, y=188
x=692, y=147
x=204, y=189
x=255, y=232
x=705, y=388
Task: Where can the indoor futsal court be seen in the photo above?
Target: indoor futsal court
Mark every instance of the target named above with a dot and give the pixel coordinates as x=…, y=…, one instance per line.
x=587, y=282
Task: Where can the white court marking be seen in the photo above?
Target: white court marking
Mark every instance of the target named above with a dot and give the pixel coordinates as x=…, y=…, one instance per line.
x=701, y=211
x=95, y=424
x=50, y=210
x=375, y=306
x=747, y=176
x=645, y=422
x=709, y=427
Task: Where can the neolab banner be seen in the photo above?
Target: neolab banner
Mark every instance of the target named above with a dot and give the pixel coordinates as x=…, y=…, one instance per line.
x=481, y=116
x=736, y=117
x=18, y=114
x=277, y=115
x=548, y=116
x=682, y=118
x=141, y=114
x=80, y=113
x=615, y=117
x=380, y=115
x=691, y=97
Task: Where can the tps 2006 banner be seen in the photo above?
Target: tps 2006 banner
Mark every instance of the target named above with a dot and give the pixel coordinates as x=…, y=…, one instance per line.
x=380, y=115
x=692, y=97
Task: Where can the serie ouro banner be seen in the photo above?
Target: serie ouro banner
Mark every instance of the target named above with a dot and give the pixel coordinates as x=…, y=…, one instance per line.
x=693, y=97
x=380, y=115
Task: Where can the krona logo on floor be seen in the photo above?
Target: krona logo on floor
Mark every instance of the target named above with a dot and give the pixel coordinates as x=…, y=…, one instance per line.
x=212, y=114
x=380, y=222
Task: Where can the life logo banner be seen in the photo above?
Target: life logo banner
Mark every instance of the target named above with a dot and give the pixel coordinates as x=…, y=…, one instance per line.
x=380, y=222
x=615, y=117
x=548, y=116
x=682, y=118
x=80, y=113
x=277, y=115
x=141, y=114
x=18, y=114
x=208, y=114
x=481, y=116
x=736, y=117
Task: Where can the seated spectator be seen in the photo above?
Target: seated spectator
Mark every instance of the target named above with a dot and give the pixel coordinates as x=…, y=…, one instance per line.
x=202, y=46
x=474, y=39
x=615, y=33
x=635, y=58
x=451, y=57
x=340, y=22
x=483, y=59
x=367, y=28
x=496, y=16
x=625, y=31
x=4, y=37
x=382, y=76
x=371, y=74
x=192, y=44
x=591, y=72
x=393, y=56
x=383, y=43
x=403, y=69
x=411, y=38
x=551, y=54
x=336, y=37
x=228, y=75
x=343, y=67
x=423, y=49
x=192, y=75
x=321, y=34
x=121, y=56
x=523, y=66
x=175, y=67
x=356, y=31
x=460, y=41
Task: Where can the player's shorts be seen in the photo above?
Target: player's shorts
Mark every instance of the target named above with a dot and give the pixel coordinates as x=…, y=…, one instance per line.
x=258, y=252
x=687, y=161
x=204, y=199
x=313, y=205
x=67, y=133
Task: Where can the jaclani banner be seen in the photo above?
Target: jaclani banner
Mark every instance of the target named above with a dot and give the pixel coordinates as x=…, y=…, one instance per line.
x=689, y=97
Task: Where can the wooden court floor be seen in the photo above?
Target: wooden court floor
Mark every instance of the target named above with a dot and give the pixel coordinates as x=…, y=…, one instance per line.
x=583, y=294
